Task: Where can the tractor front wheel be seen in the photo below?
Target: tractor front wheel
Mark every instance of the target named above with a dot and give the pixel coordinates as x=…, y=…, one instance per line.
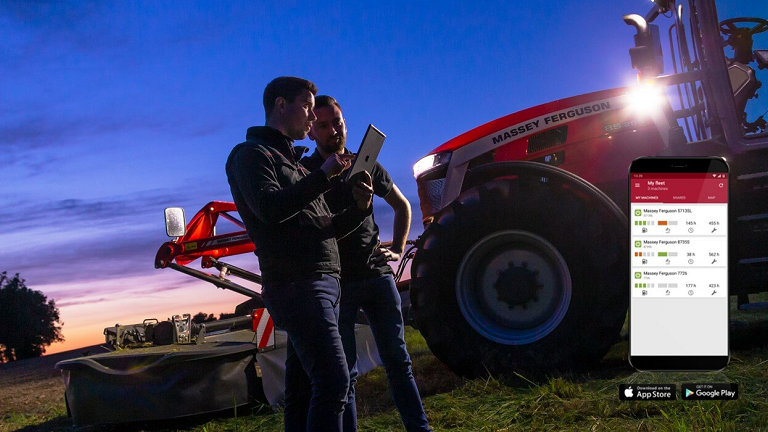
x=527, y=273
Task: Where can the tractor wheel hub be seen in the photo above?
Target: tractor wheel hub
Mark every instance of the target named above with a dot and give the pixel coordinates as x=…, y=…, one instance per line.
x=517, y=285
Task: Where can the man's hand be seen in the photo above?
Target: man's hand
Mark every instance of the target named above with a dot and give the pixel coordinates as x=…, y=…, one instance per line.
x=362, y=190
x=336, y=164
x=381, y=255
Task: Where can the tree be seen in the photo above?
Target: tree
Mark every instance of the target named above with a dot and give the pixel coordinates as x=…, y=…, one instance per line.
x=202, y=317
x=225, y=315
x=28, y=320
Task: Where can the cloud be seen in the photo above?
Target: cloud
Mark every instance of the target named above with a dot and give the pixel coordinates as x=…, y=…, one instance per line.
x=81, y=302
x=116, y=288
x=78, y=213
x=39, y=131
x=76, y=240
x=35, y=143
x=86, y=260
x=76, y=75
x=43, y=35
x=38, y=35
x=36, y=131
x=40, y=28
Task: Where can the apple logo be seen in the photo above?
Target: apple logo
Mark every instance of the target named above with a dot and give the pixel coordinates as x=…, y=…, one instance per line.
x=628, y=392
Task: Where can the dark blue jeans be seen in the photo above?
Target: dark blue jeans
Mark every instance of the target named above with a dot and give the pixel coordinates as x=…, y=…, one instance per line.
x=316, y=372
x=380, y=302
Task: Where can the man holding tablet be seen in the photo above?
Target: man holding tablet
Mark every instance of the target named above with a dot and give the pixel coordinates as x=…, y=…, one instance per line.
x=366, y=278
x=287, y=219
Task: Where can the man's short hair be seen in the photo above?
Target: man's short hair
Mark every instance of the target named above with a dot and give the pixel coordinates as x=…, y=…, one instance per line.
x=287, y=87
x=325, y=100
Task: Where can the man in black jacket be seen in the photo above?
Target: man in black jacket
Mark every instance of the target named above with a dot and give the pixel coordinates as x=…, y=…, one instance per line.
x=366, y=278
x=294, y=232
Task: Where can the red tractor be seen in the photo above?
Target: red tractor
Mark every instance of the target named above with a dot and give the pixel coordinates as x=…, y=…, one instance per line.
x=524, y=260
x=523, y=264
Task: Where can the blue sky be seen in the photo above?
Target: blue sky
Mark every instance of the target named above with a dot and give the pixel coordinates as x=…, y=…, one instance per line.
x=112, y=111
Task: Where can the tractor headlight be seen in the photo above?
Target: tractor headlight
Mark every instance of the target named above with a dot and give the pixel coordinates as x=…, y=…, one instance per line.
x=427, y=163
x=645, y=99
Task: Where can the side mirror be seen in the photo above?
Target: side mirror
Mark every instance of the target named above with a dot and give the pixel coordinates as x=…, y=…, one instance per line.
x=175, y=223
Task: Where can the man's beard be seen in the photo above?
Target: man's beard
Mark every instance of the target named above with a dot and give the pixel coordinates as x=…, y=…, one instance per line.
x=335, y=144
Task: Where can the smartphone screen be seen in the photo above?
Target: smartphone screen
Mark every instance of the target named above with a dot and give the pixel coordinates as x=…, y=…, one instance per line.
x=678, y=318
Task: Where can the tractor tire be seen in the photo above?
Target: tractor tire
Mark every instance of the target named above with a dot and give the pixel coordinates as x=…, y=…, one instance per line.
x=527, y=273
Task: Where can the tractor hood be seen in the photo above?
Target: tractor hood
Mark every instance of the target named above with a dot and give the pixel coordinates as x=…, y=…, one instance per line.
x=594, y=136
x=525, y=119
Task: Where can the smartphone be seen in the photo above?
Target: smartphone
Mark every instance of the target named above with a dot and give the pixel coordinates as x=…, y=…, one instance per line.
x=678, y=217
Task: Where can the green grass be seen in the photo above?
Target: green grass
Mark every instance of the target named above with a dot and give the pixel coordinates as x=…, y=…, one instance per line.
x=53, y=415
x=571, y=402
x=509, y=403
x=591, y=402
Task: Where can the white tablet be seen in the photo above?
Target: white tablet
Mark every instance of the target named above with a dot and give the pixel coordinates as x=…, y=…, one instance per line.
x=369, y=151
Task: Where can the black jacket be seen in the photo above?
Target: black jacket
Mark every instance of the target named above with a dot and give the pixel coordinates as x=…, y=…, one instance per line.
x=283, y=209
x=356, y=249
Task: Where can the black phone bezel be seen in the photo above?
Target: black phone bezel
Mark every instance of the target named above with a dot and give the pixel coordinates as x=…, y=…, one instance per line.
x=705, y=165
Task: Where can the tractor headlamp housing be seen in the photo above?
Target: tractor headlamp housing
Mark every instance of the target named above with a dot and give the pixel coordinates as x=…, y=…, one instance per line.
x=428, y=163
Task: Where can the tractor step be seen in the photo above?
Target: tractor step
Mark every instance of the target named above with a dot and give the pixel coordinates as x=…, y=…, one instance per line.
x=750, y=236
x=752, y=274
x=749, y=193
x=749, y=227
x=754, y=306
x=749, y=261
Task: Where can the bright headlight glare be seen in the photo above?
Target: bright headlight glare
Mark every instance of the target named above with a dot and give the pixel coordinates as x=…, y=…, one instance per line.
x=646, y=98
x=428, y=162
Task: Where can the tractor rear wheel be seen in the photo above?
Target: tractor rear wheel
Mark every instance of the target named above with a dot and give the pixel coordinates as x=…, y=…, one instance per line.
x=527, y=273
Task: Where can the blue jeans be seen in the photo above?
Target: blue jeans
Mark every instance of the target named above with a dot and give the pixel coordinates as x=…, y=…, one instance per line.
x=380, y=301
x=316, y=372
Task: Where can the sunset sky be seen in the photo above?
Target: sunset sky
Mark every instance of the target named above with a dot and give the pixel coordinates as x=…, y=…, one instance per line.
x=112, y=111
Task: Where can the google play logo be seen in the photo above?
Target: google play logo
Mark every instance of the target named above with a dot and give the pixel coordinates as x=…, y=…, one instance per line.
x=688, y=392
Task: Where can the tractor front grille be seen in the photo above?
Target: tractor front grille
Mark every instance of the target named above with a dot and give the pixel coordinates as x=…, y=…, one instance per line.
x=547, y=139
x=430, y=196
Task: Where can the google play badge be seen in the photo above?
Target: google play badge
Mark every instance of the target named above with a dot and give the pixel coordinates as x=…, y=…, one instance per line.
x=713, y=391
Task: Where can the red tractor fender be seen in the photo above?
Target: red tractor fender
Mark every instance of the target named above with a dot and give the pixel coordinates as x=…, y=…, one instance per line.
x=510, y=170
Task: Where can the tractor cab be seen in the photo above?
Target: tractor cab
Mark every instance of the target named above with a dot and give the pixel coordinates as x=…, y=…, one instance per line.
x=715, y=74
x=718, y=67
x=523, y=260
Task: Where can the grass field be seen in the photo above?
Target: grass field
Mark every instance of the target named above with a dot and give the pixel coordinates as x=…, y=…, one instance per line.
x=577, y=402
x=506, y=403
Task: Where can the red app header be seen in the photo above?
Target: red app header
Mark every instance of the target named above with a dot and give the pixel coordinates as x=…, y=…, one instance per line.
x=701, y=176
x=678, y=188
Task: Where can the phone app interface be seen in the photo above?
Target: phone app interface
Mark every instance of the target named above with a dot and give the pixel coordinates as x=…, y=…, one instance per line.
x=679, y=264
